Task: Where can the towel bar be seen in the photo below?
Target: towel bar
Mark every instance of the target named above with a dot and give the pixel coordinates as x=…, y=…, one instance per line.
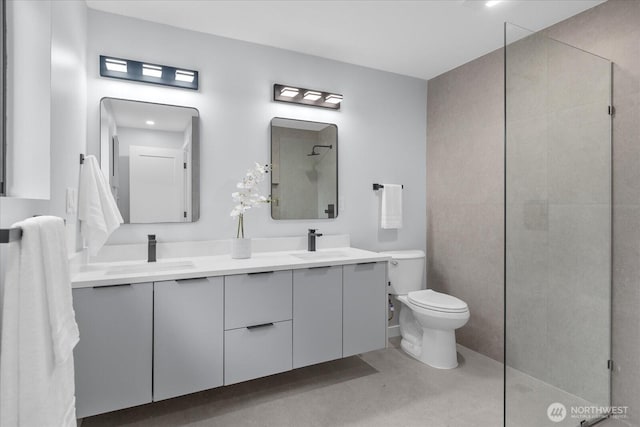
x=376, y=187
x=8, y=235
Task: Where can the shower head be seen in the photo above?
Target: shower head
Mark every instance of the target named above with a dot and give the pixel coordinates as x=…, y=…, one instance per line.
x=313, y=151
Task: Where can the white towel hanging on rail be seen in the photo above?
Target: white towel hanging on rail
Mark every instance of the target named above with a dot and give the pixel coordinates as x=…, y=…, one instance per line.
x=97, y=211
x=39, y=330
x=391, y=210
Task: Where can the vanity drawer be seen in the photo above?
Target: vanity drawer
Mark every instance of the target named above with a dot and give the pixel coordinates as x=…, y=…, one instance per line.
x=257, y=298
x=257, y=351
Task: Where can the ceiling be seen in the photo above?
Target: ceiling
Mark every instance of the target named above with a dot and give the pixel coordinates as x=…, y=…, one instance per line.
x=416, y=38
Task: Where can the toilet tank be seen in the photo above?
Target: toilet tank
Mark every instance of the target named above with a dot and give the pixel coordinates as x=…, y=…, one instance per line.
x=406, y=271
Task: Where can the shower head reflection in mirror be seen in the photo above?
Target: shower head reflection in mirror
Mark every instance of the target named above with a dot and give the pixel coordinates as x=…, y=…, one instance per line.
x=304, y=161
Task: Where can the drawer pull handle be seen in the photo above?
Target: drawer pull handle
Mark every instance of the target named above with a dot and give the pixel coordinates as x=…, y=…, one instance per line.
x=191, y=279
x=316, y=268
x=366, y=263
x=260, y=272
x=111, y=286
x=264, y=325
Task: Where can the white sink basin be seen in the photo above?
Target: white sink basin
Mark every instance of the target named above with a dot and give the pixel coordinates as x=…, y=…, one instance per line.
x=150, y=267
x=320, y=255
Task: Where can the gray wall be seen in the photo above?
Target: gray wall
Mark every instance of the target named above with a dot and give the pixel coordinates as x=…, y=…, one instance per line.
x=465, y=196
x=464, y=187
x=234, y=101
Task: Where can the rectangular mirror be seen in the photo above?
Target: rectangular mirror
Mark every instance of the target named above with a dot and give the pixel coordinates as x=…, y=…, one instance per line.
x=304, y=162
x=150, y=153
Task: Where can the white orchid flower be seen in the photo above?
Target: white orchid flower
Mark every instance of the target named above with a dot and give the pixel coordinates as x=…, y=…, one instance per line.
x=248, y=195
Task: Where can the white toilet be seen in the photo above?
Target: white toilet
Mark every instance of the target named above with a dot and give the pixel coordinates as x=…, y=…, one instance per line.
x=428, y=319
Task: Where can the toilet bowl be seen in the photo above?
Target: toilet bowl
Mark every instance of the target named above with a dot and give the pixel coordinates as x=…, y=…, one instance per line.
x=428, y=319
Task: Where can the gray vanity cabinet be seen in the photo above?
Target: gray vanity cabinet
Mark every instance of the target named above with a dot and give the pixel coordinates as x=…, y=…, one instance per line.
x=113, y=360
x=188, y=336
x=317, y=315
x=258, y=334
x=364, y=302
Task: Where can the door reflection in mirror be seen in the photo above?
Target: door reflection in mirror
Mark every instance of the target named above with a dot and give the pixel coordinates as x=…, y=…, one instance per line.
x=150, y=154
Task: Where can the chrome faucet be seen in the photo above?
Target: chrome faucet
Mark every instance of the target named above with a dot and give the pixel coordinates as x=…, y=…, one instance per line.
x=311, y=239
x=151, y=248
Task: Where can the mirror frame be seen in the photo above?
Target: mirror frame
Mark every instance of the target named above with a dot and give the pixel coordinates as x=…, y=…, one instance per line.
x=271, y=164
x=195, y=159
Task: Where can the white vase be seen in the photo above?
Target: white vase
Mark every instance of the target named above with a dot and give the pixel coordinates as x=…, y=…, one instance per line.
x=240, y=248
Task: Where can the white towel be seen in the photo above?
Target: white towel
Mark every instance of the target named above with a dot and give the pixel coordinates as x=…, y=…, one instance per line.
x=38, y=330
x=97, y=210
x=391, y=211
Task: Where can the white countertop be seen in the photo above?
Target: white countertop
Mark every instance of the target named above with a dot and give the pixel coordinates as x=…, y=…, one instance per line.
x=124, y=272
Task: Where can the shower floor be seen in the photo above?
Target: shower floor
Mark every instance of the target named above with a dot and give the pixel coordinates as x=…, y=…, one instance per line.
x=529, y=398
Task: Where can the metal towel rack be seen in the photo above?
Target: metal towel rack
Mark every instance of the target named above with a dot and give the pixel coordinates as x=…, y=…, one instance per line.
x=8, y=235
x=377, y=187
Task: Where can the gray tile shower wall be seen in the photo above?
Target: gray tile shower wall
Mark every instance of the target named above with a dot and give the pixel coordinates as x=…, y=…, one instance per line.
x=464, y=189
x=465, y=196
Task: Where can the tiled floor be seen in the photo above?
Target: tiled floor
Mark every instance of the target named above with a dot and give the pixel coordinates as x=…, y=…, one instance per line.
x=383, y=388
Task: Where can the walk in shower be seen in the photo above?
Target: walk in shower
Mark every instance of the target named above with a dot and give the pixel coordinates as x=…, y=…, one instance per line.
x=557, y=232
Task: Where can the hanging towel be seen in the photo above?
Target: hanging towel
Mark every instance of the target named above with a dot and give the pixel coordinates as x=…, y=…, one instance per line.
x=97, y=210
x=38, y=330
x=391, y=211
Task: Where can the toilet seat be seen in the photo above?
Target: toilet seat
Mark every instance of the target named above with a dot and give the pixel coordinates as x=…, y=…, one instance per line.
x=436, y=301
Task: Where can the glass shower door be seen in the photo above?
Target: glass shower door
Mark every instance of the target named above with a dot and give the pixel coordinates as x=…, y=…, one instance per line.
x=557, y=232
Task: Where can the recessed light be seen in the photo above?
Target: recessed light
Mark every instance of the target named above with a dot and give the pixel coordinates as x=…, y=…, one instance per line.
x=185, y=76
x=333, y=99
x=116, y=65
x=151, y=70
x=289, y=92
x=150, y=122
x=492, y=3
x=312, y=95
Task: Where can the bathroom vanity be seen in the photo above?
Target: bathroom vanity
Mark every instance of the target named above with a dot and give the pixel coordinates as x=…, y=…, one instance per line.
x=150, y=332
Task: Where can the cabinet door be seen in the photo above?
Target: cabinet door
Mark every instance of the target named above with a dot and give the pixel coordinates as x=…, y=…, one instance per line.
x=317, y=315
x=365, y=307
x=113, y=360
x=187, y=336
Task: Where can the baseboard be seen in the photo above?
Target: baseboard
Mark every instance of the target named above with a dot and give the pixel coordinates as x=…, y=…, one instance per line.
x=393, y=331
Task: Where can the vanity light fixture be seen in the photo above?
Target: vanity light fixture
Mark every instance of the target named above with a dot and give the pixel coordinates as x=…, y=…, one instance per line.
x=116, y=65
x=302, y=96
x=151, y=70
x=312, y=95
x=150, y=122
x=126, y=69
x=333, y=99
x=492, y=3
x=185, y=76
x=289, y=92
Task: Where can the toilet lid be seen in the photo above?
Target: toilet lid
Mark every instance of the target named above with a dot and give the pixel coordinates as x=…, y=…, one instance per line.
x=433, y=300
